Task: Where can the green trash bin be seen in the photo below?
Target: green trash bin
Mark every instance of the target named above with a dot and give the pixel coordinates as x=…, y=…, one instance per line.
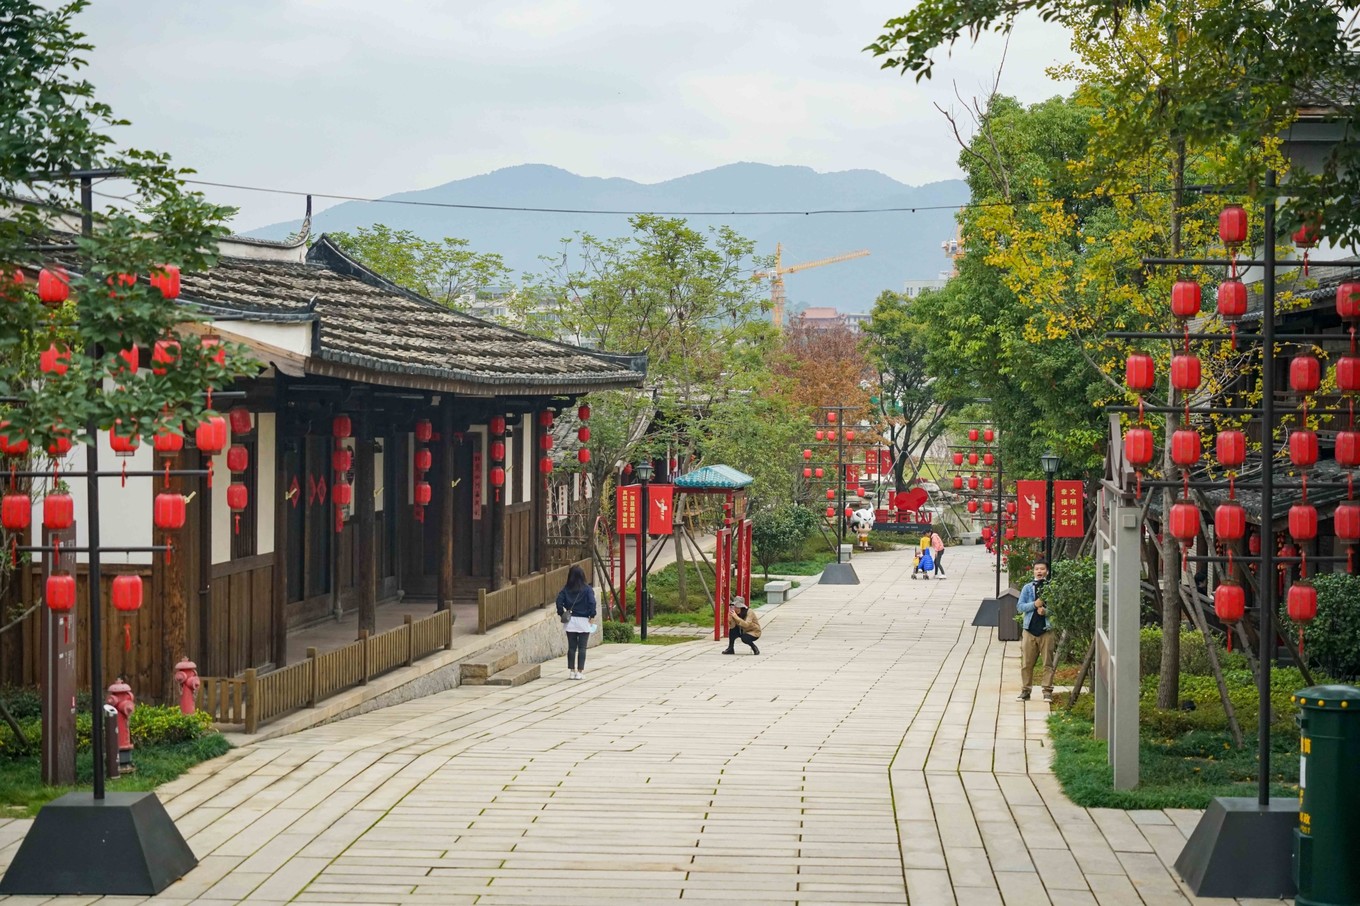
x=1327, y=841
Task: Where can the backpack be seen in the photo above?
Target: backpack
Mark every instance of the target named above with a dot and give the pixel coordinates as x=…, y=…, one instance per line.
x=927, y=561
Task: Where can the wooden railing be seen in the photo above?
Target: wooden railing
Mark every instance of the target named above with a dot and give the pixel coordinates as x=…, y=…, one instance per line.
x=257, y=698
x=523, y=595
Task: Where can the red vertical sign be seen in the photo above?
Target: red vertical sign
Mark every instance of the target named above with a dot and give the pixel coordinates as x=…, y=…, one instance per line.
x=477, y=484
x=1029, y=499
x=629, y=521
x=1069, y=509
x=660, y=517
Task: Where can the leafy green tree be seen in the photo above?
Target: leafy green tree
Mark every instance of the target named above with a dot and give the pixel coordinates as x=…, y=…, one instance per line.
x=776, y=532
x=446, y=270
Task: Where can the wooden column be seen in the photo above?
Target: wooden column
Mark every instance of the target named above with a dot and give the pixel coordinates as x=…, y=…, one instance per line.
x=278, y=611
x=175, y=584
x=364, y=513
x=542, y=503
x=447, y=471
x=498, y=518
x=207, y=662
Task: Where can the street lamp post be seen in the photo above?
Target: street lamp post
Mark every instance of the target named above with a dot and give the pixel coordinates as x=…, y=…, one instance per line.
x=644, y=475
x=1049, y=461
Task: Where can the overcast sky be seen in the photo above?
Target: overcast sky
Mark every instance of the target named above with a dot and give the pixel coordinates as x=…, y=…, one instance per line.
x=367, y=98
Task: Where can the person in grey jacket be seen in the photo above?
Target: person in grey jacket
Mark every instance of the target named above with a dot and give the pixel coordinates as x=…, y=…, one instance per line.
x=576, y=604
x=1037, y=637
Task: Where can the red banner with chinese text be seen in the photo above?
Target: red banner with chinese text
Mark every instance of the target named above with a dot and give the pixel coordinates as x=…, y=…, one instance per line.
x=1069, y=509
x=477, y=484
x=659, y=519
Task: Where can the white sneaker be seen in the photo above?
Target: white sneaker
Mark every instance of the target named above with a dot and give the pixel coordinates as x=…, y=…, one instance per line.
x=571, y=674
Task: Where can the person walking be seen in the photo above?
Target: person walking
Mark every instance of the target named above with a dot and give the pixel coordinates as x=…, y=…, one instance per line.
x=937, y=545
x=1037, y=638
x=742, y=624
x=576, y=609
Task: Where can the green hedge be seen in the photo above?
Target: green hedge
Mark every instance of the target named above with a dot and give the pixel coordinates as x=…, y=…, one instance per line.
x=1332, y=640
x=150, y=725
x=617, y=632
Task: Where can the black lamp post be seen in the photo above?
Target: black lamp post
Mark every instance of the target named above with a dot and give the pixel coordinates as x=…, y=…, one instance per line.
x=644, y=476
x=1049, y=462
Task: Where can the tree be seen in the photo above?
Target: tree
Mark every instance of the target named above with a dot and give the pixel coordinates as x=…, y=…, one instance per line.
x=824, y=366
x=446, y=270
x=776, y=532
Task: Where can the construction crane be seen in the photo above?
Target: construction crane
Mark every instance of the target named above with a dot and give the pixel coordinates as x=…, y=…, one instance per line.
x=777, y=276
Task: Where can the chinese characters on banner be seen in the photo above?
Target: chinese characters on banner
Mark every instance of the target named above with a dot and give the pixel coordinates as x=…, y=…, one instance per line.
x=477, y=485
x=852, y=478
x=877, y=462
x=659, y=518
x=1069, y=509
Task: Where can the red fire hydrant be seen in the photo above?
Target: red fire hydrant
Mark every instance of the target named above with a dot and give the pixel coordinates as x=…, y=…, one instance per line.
x=124, y=702
x=186, y=676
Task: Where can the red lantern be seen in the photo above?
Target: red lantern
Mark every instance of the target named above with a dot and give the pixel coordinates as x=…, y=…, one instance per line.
x=1302, y=603
x=1303, y=521
x=849, y=436
x=583, y=434
x=807, y=454
x=988, y=435
x=807, y=473
x=240, y=420
x=1348, y=373
x=166, y=279
x=342, y=493
x=1232, y=226
x=169, y=511
x=423, y=493
x=972, y=459
x=1011, y=507
x=1348, y=301
x=342, y=427
x=60, y=445
x=545, y=465
x=498, y=450
x=164, y=353
x=1140, y=372
x=9, y=444
x=583, y=457
x=16, y=512
x=1184, y=522
x=1308, y=235
x=973, y=435
x=1305, y=374
x=830, y=493
x=831, y=418
x=986, y=506
x=986, y=533
x=132, y=360
x=830, y=512
x=61, y=592
x=211, y=434
x=1348, y=449
x=987, y=483
x=127, y=593
x=1346, y=521
x=168, y=441
x=59, y=511
x=1186, y=448
x=1138, y=446
x=583, y=413
x=958, y=459
x=1185, y=298
x=1230, y=522
x=1232, y=300
x=498, y=425
x=497, y=476
x=425, y=431
x=54, y=360
x=972, y=482
x=545, y=441
x=123, y=445
x=1010, y=534
x=817, y=472
x=545, y=419
x=972, y=506
x=1185, y=372
x=238, y=458
x=1254, y=544
x=988, y=459
x=1230, y=602
x=958, y=482
x=831, y=435
x=1231, y=447
x=1303, y=448
x=238, y=495
x=54, y=286
x=424, y=460
x=215, y=350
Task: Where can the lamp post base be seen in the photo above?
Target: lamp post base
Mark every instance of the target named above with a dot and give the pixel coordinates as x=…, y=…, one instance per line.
x=1241, y=848
x=839, y=574
x=122, y=845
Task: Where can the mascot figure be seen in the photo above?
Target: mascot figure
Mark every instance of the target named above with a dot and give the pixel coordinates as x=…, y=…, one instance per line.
x=861, y=523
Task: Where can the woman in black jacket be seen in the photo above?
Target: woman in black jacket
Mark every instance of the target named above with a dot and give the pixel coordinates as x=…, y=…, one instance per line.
x=576, y=609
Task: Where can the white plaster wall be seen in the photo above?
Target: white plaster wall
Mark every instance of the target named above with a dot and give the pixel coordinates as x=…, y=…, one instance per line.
x=526, y=454
x=295, y=338
x=268, y=502
x=379, y=479
x=125, y=513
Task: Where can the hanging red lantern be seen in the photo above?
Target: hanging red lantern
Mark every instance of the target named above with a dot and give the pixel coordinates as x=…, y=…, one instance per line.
x=973, y=435
x=1302, y=604
x=497, y=476
x=817, y=472
x=583, y=434
x=545, y=441
x=1232, y=226
x=986, y=506
x=498, y=450
x=1309, y=234
x=342, y=427
x=238, y=495
x=10, y=445
x=1254, y=544
x=1230, y=602
x=1230, y=522
x=830, y=493
x=238, y=458
x=239, y=416
x=1303, y=521
x=583, y=457
x=423, y=461
x=54, y=286
x=1140, y=373
x=169, y=511
x=958, y=482
x=123, y=445
x=545, y=419
x=1010, y=534
x=1185, y=372
x=1348, y=449
x=167, y=441
x=1305, y=373
x=1348, y=373
x=1348, y=301
x=127, y=593
x=166, y=279
x=61, y=592
x=849, y=435
x=820, y=435
x=132, y=360
x=986, y=533
x=1138, y=446
x=583, y=413
x=1011, y=508
x=1186, y=448
x=60, y=445
x=211, y=434
x=545, y=465
x=807, y=454
x=988, y=435
x=1186, y=296
x=1303, y=448
x=1231, y=448
x=1346, y=521
x=424, y=431
x=59, y=511
x=831, y=435
x=830, y=512
x=163, y=354
x=342, y=493
x=831, y=418
x=958, y=459
x=972, y=482
x=1184, y=523
x=988, y=459
x=987, y=483
x=807, y=473
x=54, y=360
x=423, y=493
x=1232, y=300
x=498, y=425
x=972, y=506
x=214, y=349
x=972, y=459
x=16, y=512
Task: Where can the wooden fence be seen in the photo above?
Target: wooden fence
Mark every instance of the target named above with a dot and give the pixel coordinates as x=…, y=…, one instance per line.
x=524, y=595
x=254, y=698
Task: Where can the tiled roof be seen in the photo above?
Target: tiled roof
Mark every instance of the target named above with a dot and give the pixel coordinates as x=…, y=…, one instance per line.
x=714, y=477
x=365, y=322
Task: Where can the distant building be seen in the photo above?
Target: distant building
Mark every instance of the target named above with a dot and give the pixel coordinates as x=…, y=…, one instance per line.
x=913, y=288
x=821, y=317
x=953, y=250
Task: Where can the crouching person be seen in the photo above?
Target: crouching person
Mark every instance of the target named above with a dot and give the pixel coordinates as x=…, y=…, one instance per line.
x=742, y=624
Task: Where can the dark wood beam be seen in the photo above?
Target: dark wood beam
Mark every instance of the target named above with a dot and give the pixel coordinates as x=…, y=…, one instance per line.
x=278, y=611
x=365, y=508
x=447, y=473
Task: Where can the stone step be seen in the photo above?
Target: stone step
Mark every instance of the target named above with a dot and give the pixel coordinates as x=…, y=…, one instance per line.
x=486, y=665
x=517, y=675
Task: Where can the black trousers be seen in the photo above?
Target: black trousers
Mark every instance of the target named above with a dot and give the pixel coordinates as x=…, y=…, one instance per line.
x=734, y=635
x=939, y=563
x=576, y=650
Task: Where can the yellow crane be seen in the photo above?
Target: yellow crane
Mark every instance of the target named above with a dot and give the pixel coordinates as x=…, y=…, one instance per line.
x=777, y=277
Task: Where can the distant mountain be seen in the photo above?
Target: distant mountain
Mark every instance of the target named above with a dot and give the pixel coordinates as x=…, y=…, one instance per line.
x=905, y=245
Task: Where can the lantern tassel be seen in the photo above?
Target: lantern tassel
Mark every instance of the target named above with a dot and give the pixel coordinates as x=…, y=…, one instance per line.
x=210, y=471
x=1305, y=273
x=238, y=523
x=1228, y=637
x=123, y=480
x=127, y=636
x=169, y=549
x=66, y=630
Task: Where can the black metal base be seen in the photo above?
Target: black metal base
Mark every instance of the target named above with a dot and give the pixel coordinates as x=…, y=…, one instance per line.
x=839, y=574
x=1242, y=849
x=123, y=845
x=986, y=613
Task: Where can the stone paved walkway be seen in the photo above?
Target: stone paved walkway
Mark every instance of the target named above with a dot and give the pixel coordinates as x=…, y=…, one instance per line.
x=873, y=753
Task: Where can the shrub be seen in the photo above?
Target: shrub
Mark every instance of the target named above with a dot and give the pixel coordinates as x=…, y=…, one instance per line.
x=618, y=632
x=1020, y=560
x=1194, y=657
x=1070, y=597
x=776, y=533
x=151, y=725
x=1332, y=640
